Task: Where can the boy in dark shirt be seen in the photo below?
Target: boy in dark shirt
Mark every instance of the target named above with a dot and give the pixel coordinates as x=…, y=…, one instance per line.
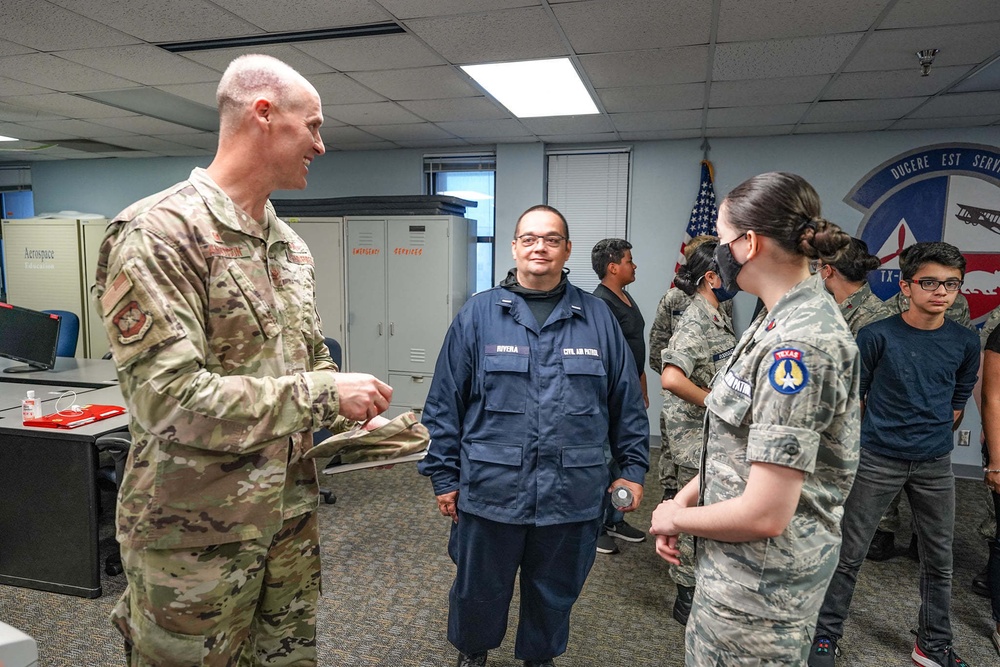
x=917, y=372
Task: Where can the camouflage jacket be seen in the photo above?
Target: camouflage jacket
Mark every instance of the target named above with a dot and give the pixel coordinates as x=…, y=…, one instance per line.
x=863, y=308
x=701, y=345
x=222, y=365
x=988, y=326
x=789, y=397
x=668, y=313
x=957, y=312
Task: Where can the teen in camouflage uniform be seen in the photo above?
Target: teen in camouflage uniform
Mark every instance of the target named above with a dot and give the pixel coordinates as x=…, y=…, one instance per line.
x=845, y=280
x=781, y=439
x=209, y=303
x=701, y=345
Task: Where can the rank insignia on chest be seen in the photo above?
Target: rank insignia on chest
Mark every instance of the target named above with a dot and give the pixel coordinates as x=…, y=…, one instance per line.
x=788, y=374
x=770, y=325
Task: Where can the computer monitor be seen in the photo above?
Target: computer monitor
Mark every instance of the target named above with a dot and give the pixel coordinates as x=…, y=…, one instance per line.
x=29, y=336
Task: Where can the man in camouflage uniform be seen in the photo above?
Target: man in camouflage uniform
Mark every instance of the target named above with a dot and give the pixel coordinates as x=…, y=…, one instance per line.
x=209, y=302
x=702, y=344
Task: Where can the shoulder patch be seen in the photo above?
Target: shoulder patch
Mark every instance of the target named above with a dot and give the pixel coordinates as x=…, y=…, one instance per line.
x=788, y=374
x=132, y=322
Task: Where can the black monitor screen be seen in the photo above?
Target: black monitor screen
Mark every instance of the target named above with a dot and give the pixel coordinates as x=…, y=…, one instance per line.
x=28, y=336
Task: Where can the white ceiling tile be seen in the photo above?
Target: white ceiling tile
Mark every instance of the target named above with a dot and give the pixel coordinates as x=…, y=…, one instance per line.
x=656, y=120
x=335, y=88
x=219, y=59
x=750, y=131
x=423, y=83
x=164, y=20
x=205, y=140
x=367, y=146
x=13, y=49
x=896, y=49
x=13, y=88
x=960, y=104
x=72, y=127
x=332, y=136
x=511, y=34
x=755, y=92
x=598, y=26
x=44, y=26
x=596, y=138
x=433, y=143
x=480, y=129
x=895, y=83
x=952, y=122
x=782, y=57
x=142, y=63
x=202, y=93
x=409, y=131
x=660, y=135
x=305, y=14
x=758, y=115
x=853, y=110
x=146, y=143
x=50, y=71
x=71, y=106
x=14, y=110
x=30, y=133
x=379, y=113
x=360, y=54
x=847, y=126
x=653, y=98
x=923, y=13
x=461, y=108
x=408, y=9
x=568, y=124
x=748, y=20
x=143, y=125
x=686, y=64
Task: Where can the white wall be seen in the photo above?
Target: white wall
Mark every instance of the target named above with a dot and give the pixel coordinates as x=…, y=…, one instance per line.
x=665, y=179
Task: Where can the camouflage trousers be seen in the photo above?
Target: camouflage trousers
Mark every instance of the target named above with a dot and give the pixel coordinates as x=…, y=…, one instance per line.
x=683, y=574
x=718, y=636
x=223, y=605
x=667, y=469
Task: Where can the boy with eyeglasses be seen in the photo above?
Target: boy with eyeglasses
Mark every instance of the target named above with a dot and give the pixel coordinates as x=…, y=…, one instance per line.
x=917, y=372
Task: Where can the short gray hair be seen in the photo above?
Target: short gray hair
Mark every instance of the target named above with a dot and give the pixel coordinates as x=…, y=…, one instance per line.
x=251, y=76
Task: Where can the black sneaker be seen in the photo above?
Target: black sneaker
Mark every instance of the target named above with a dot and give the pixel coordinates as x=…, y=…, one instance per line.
x=474, y=660
x=539, y=663
x=682, y=604
x=623, y=531
x=824, y=652
x=606, y=544
x=943, y=658
x=883, y=546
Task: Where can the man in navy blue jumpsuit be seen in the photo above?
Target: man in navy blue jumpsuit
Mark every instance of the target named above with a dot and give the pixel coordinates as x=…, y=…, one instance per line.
x=534, y=384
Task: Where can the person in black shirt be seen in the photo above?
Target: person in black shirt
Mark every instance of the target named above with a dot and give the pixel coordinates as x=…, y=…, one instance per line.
x=613, y=264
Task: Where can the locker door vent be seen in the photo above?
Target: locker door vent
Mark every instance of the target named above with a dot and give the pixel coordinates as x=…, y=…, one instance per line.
x=366, y=239
x=418, y=356
x=417, y=237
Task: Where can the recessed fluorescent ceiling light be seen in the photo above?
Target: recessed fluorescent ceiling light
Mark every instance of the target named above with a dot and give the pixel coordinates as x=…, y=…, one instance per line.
x=534, y=88
x=8, y=139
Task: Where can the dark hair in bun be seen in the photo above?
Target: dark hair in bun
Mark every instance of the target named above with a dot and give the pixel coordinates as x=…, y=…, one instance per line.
x=855, y=263
x=701, y=260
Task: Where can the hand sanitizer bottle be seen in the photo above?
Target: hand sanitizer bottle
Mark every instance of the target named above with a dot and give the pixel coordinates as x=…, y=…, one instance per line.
x=31, y=407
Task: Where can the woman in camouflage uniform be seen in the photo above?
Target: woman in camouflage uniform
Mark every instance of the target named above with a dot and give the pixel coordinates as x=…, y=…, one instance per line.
x=845, y=280
x=702, y=343
x=781, y=439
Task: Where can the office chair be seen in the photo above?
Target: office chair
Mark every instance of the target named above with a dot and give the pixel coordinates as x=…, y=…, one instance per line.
x=319, y=436
x=69, y=332
x=117, y=445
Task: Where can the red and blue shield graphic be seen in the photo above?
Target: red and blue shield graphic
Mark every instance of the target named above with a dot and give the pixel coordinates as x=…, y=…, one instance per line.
x=944, y=192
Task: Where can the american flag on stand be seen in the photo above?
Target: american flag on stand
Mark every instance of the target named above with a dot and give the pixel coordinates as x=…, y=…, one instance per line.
x=703, y=214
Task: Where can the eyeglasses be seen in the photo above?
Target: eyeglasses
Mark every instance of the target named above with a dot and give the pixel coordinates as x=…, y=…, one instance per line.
x=734, y=240
x=528, y=240
x=930, y=285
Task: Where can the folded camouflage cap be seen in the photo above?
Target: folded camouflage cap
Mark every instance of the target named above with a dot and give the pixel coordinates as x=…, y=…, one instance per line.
x=403, y=435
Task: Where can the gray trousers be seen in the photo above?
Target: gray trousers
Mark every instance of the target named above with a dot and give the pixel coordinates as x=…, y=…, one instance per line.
x=930, y=489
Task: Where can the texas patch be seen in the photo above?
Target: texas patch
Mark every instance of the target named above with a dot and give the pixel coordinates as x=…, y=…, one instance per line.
x=788, y=374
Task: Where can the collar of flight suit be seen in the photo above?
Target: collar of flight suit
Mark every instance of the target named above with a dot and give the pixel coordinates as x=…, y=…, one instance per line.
x=569, y=306
x=856, y=299
x=791, y=300
x=228, y=214
x=714, y=315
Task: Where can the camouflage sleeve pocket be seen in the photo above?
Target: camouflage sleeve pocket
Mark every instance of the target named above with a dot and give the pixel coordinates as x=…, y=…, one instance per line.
x=137, y=317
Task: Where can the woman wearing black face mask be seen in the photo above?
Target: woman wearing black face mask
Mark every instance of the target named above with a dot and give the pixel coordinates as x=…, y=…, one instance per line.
x=700, y=346
x=781, y=438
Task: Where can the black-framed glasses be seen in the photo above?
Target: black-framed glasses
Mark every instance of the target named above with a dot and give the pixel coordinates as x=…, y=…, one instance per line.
x=930, y=285
x=734, y=240
x=528, y=240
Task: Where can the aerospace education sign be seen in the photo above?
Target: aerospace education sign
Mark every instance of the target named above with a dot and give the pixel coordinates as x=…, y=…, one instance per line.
x=944, y=192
